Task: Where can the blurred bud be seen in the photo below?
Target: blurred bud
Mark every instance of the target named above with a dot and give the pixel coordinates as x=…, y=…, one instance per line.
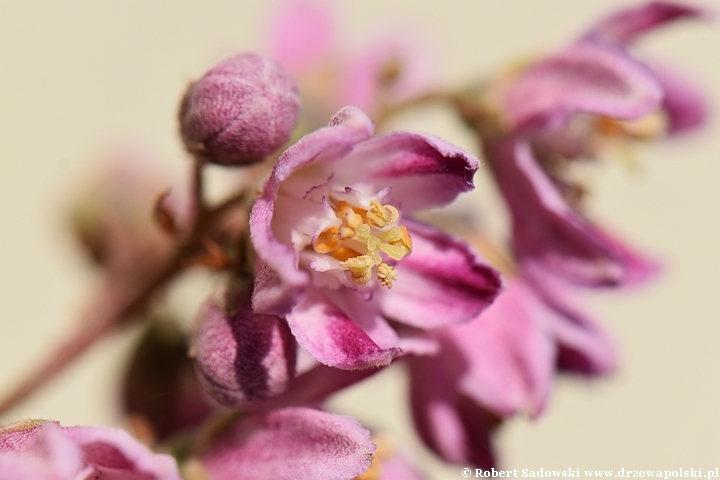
x=161, y=395
x=242, y=357
x=111, y=211
x=240, y=111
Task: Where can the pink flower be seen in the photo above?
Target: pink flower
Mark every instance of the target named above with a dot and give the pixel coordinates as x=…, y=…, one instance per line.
x=305, y=37
x=333, y=241
x=501, y=364
x=560, y=109
x=290, y=443
x=39, y=449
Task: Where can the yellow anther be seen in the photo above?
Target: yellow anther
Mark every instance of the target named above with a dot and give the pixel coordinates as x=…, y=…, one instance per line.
x=360, y=268
x=405, y=241
x=381, y=215
x=327, y=241
x=386, y=274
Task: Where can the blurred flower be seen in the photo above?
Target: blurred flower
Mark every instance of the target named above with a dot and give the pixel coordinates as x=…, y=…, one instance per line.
x=305, y=37
x=566, y=107
x=501, y=364
x=240, y=111
x=39, y=449
x=331, y=240
x=112, y=218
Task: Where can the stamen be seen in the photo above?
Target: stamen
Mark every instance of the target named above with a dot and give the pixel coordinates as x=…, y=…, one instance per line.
x=381, y=215
x=361, y=237
x=386, y=274
x=360, y=268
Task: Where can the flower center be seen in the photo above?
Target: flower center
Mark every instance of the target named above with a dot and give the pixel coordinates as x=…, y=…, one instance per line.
x=360, y=239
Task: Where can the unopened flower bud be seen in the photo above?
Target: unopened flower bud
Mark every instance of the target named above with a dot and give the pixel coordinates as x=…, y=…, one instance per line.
x=240, y=111
x=242, y=357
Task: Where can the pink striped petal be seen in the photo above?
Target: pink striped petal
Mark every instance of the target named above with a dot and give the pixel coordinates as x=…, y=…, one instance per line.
x=547, y=232
x=333, y=338
x=588, y=78
x=423, y=171
x=442, y=282
x=624, y=26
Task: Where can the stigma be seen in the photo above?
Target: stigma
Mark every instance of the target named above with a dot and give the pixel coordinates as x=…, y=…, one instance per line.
x=364, y=241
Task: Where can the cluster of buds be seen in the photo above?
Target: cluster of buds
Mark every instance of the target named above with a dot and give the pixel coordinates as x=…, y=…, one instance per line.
x=329, y=275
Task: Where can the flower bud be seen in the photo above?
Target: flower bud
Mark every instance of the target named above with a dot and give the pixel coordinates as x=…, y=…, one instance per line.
x=240, y=111
x=242, y=357
x=159, y=365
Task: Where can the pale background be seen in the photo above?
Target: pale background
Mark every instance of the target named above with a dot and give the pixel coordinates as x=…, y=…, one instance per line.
x=76, y=76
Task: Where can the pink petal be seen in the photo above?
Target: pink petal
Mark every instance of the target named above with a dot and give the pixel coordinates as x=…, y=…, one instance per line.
x=586, y=78
x=547, y=232
x=291, y=443
x=423, y=171
x=115, y=455
x=348, y=127
x=624, y=26
x=451, y=425
x=397, y=468
x=583, y=344
x=242, y=357
x=637, y=267
x=333, y=338
x=37, y=449
x=301, y=34
x=440, y=283
x=45, y=450
x=317, y=384
x=685, y=106
x=510, y=353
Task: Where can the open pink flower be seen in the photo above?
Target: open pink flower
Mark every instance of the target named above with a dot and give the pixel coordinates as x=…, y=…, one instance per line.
x=501, y=364
x=333, y=241
x=39, y=449
x=560, y=109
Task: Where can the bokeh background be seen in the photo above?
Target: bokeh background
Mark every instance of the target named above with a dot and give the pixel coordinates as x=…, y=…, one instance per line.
x=78, y=77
